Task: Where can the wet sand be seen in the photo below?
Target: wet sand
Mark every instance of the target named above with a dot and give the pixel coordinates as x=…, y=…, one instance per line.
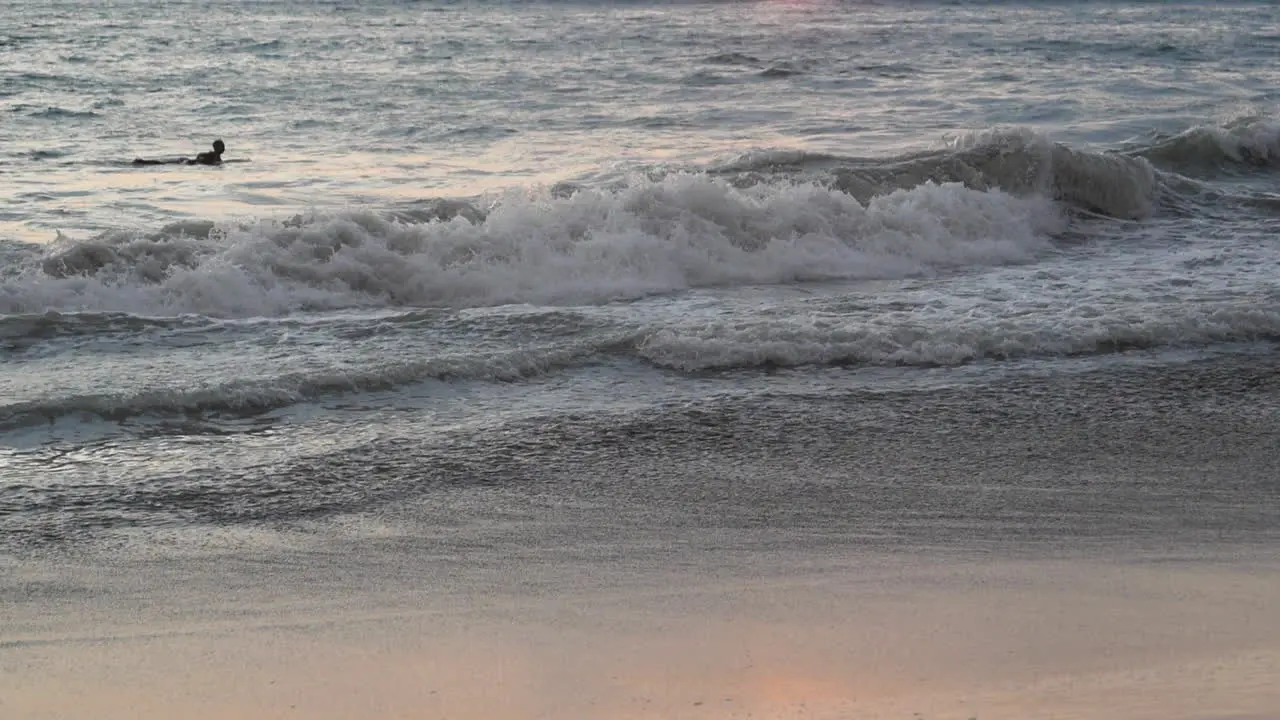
x=912, y=636
x=1074, y=547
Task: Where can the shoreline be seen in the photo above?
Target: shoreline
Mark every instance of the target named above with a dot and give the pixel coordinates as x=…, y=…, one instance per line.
x=884, y=636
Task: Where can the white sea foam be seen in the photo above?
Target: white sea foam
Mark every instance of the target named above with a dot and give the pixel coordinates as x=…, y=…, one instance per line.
x=533, y=247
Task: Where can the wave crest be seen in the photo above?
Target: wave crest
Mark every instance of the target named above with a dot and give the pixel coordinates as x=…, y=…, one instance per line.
x=1018, y=162
x=1245, y=144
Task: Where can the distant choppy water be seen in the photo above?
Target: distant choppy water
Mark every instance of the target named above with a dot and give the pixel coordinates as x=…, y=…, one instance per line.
x=470, y=232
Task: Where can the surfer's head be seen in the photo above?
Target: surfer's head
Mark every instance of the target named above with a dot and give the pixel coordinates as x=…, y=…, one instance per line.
x=218, y=147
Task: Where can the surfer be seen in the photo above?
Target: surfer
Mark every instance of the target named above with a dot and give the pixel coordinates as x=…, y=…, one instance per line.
x=213, y=157
x=210, y=158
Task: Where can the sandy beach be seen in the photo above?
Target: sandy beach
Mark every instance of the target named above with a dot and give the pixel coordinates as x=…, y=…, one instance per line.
x=879, y=636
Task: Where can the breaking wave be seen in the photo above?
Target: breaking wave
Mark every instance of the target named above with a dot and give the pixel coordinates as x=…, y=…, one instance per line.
x=1018, y=162
x=591, y=246
x=1244, y=145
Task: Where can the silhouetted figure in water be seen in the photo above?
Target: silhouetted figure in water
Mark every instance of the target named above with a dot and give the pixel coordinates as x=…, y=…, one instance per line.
x=210, y=158
x=204, y=158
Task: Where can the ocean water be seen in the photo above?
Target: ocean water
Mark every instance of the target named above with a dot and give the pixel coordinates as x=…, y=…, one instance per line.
x=489, y=275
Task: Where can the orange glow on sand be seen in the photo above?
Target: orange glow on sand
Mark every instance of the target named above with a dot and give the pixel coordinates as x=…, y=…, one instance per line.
x=945, y=642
